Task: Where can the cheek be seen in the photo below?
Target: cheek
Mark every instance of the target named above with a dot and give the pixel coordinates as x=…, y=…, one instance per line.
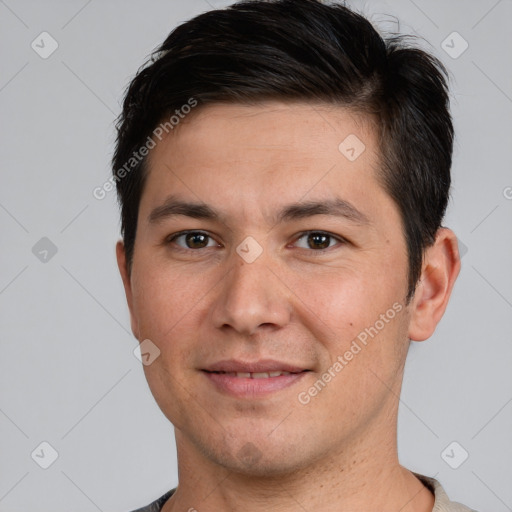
x=362, y=327
x=169, y=308
x=163, y=300
x=346, y=301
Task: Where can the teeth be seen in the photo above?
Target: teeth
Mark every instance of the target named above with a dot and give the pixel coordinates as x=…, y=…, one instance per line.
x=261, y=375
x=256, y=375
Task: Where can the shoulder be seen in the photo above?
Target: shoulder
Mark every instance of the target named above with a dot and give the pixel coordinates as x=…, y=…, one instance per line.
x=442, y=502
x=157, y=505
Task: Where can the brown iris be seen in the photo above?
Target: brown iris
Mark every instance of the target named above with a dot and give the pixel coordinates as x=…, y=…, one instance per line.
x=196, y=240
x=318, y=241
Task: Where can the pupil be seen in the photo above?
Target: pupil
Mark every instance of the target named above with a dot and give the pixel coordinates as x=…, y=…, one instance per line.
x=196, y=240
x=318, y=241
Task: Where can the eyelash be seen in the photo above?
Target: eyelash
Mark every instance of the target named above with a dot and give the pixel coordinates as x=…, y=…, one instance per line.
x=172, y=238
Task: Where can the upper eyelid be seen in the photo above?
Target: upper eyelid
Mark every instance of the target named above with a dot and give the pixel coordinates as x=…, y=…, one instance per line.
x=327, y=233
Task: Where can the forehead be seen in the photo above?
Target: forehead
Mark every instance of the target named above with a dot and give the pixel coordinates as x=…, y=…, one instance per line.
x=264, y=153
x=268, y=128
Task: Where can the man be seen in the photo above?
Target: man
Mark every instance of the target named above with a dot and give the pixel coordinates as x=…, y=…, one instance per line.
x=283, y=173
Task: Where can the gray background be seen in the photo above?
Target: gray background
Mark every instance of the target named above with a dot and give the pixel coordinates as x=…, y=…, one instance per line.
x=68, y=375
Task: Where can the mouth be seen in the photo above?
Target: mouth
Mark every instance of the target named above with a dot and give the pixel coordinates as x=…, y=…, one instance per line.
x=244, y=380
x=262, y=366
x=256, y=375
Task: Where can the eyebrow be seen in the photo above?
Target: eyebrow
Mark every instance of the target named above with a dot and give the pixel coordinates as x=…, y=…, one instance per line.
x=334, y=207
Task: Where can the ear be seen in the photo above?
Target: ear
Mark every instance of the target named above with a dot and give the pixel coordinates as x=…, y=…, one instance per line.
x=125, y=275
x=441, y=266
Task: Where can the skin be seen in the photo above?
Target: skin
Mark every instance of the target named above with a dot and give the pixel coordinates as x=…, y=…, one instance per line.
x=297, y=302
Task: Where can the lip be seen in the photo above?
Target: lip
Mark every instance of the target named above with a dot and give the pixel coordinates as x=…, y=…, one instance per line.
x=250, y=387
x=262, y=365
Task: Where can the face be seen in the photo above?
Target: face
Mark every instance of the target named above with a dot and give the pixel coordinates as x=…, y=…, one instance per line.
x=270, y=270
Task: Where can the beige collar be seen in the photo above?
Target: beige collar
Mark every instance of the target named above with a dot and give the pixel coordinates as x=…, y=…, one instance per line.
x=442, y=503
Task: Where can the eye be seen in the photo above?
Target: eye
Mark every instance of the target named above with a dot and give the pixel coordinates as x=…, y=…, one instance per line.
x=192, y=240
x=317, y=240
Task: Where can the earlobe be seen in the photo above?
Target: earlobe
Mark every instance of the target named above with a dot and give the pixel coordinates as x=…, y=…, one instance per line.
x=125, y=276
x=441, y=266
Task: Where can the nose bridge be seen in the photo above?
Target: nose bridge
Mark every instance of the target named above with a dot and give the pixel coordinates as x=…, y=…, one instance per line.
x=251, y=297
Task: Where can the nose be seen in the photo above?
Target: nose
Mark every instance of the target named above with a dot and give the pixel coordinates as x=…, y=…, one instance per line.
x=251, y=298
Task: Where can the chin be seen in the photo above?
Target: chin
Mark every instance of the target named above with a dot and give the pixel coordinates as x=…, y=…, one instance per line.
x=258, y=459
x=264, y=467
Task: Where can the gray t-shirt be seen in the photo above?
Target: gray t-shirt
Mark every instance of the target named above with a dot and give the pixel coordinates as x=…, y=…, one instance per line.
x=441, y=504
